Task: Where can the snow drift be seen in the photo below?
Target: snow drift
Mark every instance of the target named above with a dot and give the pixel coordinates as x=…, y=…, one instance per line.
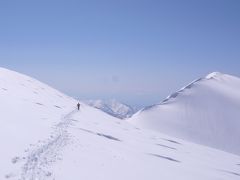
x=207, y=111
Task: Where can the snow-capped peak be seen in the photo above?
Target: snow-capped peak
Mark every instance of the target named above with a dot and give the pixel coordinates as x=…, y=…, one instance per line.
x=213, y=75
x=113, y=107
x=205, y=111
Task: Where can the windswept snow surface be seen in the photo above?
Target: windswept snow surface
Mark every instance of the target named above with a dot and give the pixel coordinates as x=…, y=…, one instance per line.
x=44, y=137
x=206, y=111
x=113, y=107
x=29, y=111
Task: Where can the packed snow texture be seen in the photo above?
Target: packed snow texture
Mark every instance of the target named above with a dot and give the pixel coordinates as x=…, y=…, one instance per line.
x=44, y=137
x=113, y=107
x=206, y=112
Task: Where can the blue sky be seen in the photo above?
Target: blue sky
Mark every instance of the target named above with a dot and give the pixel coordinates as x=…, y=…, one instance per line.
x=137, y=51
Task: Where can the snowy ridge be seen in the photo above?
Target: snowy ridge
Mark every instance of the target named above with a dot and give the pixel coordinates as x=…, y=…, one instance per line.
x=205, y=111
x=174, y=95
x=214, y=75
x=113, y=107
x=189, y=86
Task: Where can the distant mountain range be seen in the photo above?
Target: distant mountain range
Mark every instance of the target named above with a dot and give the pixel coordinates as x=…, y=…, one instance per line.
x=113, y=107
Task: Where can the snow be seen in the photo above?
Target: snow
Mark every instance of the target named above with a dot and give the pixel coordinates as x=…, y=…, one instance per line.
x=29, y=109
x=213, y=75
x=113, y=107
x=205, y=112
x=44, y=137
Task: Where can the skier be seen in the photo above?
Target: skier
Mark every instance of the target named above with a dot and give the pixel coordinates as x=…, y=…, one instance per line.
x=78, y=106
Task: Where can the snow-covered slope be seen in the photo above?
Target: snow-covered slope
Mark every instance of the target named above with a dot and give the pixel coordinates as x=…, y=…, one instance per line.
x=113, y=107
x=207, y=111
x=44, y=137
x=28, y=110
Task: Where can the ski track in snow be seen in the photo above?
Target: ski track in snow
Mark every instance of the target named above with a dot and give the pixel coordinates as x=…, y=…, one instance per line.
x=39, y=161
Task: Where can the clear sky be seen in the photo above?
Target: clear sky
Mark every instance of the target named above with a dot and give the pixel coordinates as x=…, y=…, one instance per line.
x=137, y=51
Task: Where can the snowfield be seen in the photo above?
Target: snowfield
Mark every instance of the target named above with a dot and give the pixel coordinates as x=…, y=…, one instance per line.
x=44, y=137
x=206, y=112
x=29, y=111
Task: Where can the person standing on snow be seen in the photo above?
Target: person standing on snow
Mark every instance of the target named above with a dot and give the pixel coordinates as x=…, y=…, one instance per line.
x=78, y=106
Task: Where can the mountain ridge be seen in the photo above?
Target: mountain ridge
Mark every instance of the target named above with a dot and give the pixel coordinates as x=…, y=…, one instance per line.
x=113, y=107
x=210, y=103
x=188, y=86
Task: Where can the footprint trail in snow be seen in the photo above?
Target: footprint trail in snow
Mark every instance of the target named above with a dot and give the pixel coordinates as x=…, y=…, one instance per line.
x=40, y=160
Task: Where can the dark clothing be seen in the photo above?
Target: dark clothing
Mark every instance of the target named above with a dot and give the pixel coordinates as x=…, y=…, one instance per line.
x=78, y=106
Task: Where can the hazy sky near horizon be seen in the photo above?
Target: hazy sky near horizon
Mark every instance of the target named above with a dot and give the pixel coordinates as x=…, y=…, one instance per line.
x=137, y=51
